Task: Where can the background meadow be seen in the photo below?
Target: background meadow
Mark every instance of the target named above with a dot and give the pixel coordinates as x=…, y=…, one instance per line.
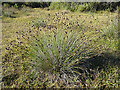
x=60, y=45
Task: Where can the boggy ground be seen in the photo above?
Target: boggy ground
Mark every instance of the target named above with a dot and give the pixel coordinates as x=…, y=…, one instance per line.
x=19, y=28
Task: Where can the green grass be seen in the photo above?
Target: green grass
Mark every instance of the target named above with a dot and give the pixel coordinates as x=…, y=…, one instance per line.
x=66, y=49
x=110, y=35
x=59, y=51
x=108, y=78
x=39, y=23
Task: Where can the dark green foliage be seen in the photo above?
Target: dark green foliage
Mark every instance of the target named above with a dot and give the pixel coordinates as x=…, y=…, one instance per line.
x=72, y=6
x=37, y=4
x=30, y=4
x=14, y=4
x=87, y=6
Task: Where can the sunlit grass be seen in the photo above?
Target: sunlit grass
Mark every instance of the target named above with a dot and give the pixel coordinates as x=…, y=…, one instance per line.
x=58, y=51
x=53, y=50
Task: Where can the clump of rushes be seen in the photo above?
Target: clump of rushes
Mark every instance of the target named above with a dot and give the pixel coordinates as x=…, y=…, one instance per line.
x=111, y=35
x=58, y=52
x=39, y=23
x=112, y=30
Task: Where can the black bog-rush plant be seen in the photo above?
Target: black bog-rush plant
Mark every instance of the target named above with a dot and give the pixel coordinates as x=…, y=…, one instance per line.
x=58, y=52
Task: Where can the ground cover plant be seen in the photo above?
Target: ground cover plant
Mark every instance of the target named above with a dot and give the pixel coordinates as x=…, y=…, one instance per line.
x=59, y=49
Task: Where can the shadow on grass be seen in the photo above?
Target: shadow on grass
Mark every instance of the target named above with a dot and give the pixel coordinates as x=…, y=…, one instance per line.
x=9, y=79
x=100, y=61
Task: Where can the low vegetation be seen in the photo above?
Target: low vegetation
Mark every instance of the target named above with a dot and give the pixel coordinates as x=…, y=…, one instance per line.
x=45, y=48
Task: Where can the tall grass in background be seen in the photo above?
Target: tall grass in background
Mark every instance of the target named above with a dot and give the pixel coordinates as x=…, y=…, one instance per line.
x=84, y=7
x=111, y=35
x=112, y=30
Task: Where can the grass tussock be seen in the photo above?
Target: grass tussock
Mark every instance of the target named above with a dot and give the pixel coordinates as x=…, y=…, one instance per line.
x=59, y=51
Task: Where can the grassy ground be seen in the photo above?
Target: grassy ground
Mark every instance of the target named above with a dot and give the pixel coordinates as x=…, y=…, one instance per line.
x=21, y=27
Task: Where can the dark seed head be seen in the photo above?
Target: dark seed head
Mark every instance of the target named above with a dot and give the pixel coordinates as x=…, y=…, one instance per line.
x=66, y=32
